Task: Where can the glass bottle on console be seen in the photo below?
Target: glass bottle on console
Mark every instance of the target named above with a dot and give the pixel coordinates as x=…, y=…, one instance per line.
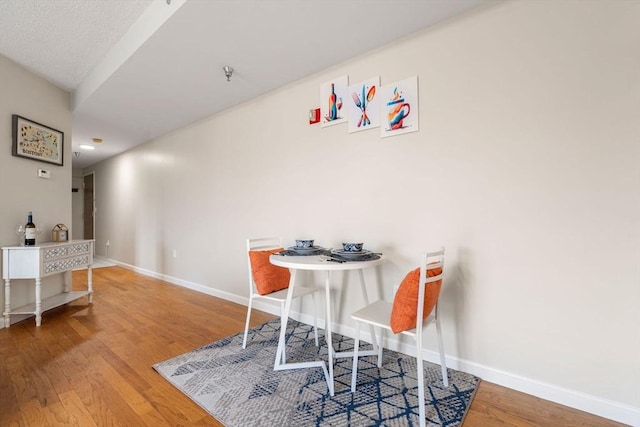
x=30, y=231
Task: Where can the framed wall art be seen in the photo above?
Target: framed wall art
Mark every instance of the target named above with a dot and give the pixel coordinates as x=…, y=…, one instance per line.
x=36, y=141
x=399, y=108
x=332, y=97
x=364, y=107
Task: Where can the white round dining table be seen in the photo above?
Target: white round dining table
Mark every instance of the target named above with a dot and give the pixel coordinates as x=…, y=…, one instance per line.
x=317, y=263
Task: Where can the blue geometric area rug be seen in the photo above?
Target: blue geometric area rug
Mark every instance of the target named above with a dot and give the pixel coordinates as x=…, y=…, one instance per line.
x=240, y=388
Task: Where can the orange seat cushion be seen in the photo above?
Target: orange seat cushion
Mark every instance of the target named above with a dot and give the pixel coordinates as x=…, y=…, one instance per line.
x=405, y=303
x=268, y=277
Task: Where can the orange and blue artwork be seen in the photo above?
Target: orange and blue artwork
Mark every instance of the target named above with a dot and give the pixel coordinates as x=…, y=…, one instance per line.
x=399, y=113
x=364, y=108
x=332, y=96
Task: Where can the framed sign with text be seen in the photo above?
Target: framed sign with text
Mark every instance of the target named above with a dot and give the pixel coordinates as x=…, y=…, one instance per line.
x=36, y=141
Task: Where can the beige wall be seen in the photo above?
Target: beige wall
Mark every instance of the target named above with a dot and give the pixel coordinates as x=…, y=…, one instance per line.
x=29, y=96
x=526, y=168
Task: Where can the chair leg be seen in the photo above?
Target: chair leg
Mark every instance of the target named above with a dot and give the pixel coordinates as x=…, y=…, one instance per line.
x=379, y=347
x=315, y=318
x=356, y=349
x=420, y=376
x=246, y=325
x=443, y=365
x=284, y=347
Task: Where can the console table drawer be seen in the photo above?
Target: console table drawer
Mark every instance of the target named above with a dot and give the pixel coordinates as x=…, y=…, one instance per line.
x=65, y=264
x=54, y=253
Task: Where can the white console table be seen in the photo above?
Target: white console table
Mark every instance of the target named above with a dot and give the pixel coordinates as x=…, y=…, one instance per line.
x=45, y=259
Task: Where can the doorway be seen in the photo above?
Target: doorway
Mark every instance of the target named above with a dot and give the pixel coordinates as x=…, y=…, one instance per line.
x=89, y=210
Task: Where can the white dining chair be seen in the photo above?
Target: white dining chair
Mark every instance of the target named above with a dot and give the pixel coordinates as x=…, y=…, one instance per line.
x=273, y=281
x=415, y=307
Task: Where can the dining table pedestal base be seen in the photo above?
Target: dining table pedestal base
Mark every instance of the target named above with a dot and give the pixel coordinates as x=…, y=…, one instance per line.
x=318, y=263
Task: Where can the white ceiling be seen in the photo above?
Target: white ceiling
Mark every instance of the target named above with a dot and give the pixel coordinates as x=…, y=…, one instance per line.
x=141, y=68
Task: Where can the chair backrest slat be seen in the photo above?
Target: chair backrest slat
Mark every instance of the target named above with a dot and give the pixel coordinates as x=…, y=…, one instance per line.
x=430, y=261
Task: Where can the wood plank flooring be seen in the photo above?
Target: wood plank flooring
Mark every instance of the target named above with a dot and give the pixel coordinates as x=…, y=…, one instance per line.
x=90, y=365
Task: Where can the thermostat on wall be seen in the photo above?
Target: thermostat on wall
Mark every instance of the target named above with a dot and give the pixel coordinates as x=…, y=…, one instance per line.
x=43, y=173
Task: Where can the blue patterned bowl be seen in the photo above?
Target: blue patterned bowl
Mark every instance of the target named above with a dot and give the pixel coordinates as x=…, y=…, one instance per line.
x=304, y=243
x=352, y=247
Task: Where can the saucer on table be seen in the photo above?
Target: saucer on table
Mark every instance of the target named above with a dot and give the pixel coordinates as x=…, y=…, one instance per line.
x=305, y=250
x=351, y=254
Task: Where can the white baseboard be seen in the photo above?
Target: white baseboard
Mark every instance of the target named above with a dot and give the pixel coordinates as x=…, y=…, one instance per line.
x=584, y=402
x=605, y=408
x=609, y=409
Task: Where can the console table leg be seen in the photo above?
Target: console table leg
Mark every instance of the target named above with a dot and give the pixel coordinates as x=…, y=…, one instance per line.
x=7, y=303
x=38, y=311
x=90, y=283
x=67, y=281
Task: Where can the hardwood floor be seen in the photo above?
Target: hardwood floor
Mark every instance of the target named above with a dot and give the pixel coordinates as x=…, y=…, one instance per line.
x=91, y=365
